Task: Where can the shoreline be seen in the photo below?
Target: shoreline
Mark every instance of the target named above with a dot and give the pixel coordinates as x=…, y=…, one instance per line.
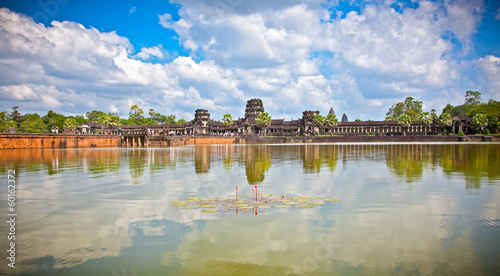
x=50, y=140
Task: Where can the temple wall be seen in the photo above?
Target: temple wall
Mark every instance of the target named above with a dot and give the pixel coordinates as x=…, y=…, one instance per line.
x=20, y=141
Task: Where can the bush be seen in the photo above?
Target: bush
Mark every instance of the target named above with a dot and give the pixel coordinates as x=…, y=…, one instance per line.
x=486, y=131
x=445, y=132
x=461, y=133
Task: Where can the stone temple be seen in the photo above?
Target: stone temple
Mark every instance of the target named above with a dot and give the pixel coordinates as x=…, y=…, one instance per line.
x=203, y=125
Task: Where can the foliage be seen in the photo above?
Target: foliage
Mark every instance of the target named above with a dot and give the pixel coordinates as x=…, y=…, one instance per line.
x=95, y=115
x=136, y=113
x=70, y=123
x=425, y=120
x=227, y=120
x=460, y=133
x=331, y=121
x=472, y=98
x=445, y=119
x=54, y=119
x=410, y=107
x=318, y=121
x=11, y=125
x=404, y=120
x=180, y=121
x=263, y=121
x=480, y=121
x=486, y=132
x=33, y=123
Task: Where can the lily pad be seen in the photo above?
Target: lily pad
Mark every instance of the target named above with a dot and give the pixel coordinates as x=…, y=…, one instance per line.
x=317, y=203
x=207, y=199
x=241, y=201
x=179, y=204
x=291, y=203
x=264, y=207
x=191, y=207
x=246, y=207
x=304, y=206
x=208, y=206
x=332, y=199
x=242, y=205
x=282, y=206
x=193, y=198
x=265, y=195
x=210, y=211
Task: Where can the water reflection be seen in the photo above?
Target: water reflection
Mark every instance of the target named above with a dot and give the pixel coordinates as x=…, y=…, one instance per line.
x=81, y=213
x=257, y=163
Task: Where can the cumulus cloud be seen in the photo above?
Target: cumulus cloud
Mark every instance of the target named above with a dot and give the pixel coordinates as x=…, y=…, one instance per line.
x=489, y=67
x=154, y=51
x=102, y=69
x=295, y=55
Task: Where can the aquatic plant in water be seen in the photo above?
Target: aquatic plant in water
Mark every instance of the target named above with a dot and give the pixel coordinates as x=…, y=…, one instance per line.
x=258, y=201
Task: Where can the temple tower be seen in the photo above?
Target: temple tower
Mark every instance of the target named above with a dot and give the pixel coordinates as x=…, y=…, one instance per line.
x=253, y=109
x=344, y=119
x=201, y=119
x=308, y=120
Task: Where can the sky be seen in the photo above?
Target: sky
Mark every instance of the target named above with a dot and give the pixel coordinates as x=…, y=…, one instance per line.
x=359, y=57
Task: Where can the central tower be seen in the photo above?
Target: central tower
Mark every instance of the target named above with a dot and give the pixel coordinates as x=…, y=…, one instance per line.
x=254, y=108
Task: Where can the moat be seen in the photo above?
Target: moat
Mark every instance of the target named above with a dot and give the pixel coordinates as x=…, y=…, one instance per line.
x=407, y=208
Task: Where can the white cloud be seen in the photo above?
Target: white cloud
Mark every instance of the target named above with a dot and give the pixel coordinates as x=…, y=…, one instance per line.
x=489, y=67
x=132, y=10
x=154, y=51
x=103, y=70
x=497, y=17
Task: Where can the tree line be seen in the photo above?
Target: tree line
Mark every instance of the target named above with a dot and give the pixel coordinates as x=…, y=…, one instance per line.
x=14, y=121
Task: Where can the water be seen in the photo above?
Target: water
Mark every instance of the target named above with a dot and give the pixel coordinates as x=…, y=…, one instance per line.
x=405, y=209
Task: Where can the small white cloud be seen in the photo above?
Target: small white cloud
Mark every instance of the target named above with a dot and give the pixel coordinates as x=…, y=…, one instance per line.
x=155, y=51
x=166, y=20
x=497, y=17
x=132, y=10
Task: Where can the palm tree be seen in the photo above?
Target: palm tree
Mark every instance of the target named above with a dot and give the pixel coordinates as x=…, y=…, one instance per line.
x=405, y=121
x=263, y=121
x=70, y=123
x=445, y=120
x=227, y=120
x=318, y=121
x=425, y=120
x=151, y=114
x=331, y=121
x=480, y=121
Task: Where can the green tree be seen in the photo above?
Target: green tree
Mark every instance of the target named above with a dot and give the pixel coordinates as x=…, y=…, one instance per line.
x=151, y=115
x=410, y=107
x=167, y=120
x=180, y=121
x=227, y=120
x=114, y=120
x=15, y=115
x=445, y=120
x=11, y=125
x=136, y=113
x=318, y=121
x=405, y=121
x=425, y=120
x=263, y=121
x=472, y=98
x=331, y=121
x=70, y=123
x=33, y=123
x=480, y=121
x=94, y=115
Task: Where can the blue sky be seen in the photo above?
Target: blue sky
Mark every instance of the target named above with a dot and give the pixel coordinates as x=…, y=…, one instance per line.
x=358, y=57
